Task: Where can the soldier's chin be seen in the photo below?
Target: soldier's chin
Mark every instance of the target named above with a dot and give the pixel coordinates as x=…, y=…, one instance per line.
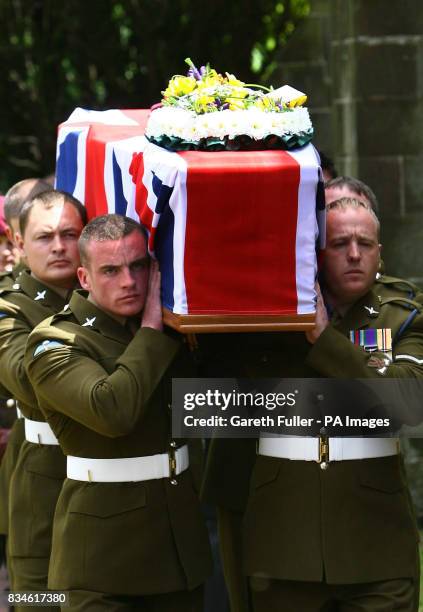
x=356, y=289
x=60, y=277
x=128, y=310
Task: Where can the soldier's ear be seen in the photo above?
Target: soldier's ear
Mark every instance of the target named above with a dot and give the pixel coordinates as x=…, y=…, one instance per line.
x=19, y=243
x=84, y=278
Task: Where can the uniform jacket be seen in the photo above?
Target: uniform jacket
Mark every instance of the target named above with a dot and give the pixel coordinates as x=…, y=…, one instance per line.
x=354, y=521
x=107, y=394
x=22, y=306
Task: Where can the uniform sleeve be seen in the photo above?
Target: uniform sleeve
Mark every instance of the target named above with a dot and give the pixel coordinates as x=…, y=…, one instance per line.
x=14, y=333
x=333, y=355
x=69, y=381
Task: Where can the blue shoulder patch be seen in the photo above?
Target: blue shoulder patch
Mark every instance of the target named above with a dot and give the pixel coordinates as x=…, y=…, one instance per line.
x=3, y=314
x=47, y=345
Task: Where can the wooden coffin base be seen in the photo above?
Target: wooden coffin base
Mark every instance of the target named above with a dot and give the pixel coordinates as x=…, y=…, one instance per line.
x=215, y=324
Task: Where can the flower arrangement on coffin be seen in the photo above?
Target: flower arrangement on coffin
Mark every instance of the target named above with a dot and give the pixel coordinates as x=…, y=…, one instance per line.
x=209, y=111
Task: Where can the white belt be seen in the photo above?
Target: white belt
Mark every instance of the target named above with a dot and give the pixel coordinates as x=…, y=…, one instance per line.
x=39, y=433
x=299, y=448
x=131, y=469
x=19, y=414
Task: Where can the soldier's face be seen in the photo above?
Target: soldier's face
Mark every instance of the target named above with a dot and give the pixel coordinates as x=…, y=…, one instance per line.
x=116, y=274
x=352, y=253
x=50, y=244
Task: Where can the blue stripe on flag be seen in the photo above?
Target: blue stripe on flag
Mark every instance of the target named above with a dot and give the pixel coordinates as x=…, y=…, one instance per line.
x=120, y=200
x=164, y=252
x=67, y=165
x=162, y=193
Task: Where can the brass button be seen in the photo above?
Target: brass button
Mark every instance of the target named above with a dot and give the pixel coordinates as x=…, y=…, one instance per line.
x=173, y=481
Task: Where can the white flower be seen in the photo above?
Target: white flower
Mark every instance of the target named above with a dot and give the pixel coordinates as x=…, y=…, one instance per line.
x=253, y=122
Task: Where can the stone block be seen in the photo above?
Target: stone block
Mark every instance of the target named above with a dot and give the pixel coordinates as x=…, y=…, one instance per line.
x=386, y=177
x=387, y=69
x=413, y=180
x=388, y=18
x=402, y=252
x=313, y=79
x=389, y=127
x=344, y=127
x=323, y=131
x=342, y=19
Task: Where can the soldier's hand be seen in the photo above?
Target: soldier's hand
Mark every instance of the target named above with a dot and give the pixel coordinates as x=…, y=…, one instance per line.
x=322, y=320
x=152, y=313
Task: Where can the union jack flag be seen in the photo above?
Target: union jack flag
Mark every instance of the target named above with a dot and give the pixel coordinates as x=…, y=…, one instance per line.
x=234, y=232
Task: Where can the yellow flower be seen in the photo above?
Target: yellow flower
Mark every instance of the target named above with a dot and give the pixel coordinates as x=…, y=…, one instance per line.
x=236, y=104
x=297, y=101
x=265, y=104
x=232, y=80
x=180, y=86
x=203, y=104
x=238, y=92
x=211, y=80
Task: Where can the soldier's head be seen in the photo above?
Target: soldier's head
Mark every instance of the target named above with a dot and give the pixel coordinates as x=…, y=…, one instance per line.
x=50, y=225
x=16, y=197
x=352, y=250
x=349, y=187
x=115, y=264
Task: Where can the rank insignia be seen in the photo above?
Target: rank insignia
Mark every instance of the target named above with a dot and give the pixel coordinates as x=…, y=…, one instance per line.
x=373, y=339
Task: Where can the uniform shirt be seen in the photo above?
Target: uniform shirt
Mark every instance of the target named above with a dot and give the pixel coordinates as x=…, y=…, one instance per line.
x=107, y=394
x=23, y=304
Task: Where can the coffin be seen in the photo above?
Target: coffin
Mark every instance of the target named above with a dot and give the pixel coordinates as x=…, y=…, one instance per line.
x=235, y=232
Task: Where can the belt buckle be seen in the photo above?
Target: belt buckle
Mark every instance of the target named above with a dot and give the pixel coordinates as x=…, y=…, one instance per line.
x=172, y=466
x=323, y=460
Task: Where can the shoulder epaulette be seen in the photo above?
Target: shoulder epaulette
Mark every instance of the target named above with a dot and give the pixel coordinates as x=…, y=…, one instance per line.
x=403, y=301
x=400, y=284
x=15, y=288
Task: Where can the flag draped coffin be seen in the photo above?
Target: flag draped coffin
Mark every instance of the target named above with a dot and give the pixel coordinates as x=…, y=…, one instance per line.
x=235, y=232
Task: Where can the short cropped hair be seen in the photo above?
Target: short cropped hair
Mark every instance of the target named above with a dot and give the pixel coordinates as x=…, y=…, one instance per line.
x=344, y=203
x=107, y=227
x=49, y=199
x=13, y=200
x=357, y=187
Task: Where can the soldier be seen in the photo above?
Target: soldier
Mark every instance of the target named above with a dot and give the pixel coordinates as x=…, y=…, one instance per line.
x=128, y=531
x=343, y=538
x=13, y=202
x=50, y=227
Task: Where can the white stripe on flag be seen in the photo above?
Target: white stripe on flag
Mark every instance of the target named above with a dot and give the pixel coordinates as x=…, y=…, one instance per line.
x=178, y=203
x=171, y=169
x=108, y=117
x=307, y=229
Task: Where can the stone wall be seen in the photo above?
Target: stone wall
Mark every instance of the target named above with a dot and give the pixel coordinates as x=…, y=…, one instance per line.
x=361, y=62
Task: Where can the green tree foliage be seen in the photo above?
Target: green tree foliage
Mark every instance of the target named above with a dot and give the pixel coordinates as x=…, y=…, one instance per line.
x=118, y=54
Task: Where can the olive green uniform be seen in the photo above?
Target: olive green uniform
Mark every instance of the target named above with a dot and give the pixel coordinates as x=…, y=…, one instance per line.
x=16, y=436
x=22, y=307
x=351, y=524
x=107, y=395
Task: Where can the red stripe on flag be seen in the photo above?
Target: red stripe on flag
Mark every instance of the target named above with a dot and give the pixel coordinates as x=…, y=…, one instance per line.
x=98, y=136
x=241, y=232
x=136, y=170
